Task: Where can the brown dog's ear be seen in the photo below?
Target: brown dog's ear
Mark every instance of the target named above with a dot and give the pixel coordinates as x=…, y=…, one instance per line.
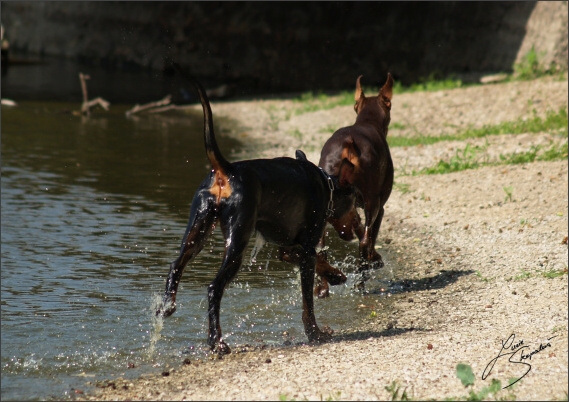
x=346, y=175
x=350, y=162
x=386, y=90
x=359, y=92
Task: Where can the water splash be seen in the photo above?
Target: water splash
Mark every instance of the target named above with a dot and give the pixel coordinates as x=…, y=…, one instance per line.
x=157, y=323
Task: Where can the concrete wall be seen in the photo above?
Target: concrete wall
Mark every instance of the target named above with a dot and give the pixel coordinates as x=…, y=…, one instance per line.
x=291, y=46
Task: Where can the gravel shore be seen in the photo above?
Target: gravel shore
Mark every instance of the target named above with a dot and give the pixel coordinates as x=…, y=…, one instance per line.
x=482, y=263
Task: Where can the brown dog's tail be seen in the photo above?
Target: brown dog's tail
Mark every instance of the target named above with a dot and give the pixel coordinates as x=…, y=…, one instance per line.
x=219, y=164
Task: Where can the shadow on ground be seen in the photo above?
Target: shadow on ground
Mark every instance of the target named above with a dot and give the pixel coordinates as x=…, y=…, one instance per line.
x=439, y=281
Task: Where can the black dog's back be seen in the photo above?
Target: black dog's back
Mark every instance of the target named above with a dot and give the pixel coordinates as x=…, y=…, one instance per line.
x=289, y=194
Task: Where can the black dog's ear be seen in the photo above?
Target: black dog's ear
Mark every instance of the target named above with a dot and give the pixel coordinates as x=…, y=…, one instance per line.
x=301, y=156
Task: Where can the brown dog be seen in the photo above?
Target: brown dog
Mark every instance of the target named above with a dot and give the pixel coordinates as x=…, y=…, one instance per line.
x=364, y=145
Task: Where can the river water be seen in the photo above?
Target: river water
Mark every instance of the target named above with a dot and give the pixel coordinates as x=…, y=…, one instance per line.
x=93, y=211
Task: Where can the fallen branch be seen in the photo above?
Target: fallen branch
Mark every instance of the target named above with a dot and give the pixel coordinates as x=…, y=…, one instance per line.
x=88, y=104
x=169, y=107
x=93, y=102
x=139, y=108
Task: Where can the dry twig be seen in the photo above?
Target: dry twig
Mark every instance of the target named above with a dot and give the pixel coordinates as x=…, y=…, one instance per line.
x=158, y=104
x=88, y=104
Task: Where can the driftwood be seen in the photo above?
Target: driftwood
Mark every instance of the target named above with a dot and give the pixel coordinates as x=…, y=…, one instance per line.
x=88, y=104
x=158, y=106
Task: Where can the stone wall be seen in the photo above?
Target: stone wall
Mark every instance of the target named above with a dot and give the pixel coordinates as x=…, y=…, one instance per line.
x=292, y=46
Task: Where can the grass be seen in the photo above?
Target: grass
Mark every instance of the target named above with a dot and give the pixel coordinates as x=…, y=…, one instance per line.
x=483, y=278
x=509, y=191
x=313, y=101
x=429, y=84
x=466, y=376
x=553, y=121
x=403, y=188
x=469, y=158
x=394, y=390
x=530, y=67
x=553, y=273
x=549, y=274
x=462, y=160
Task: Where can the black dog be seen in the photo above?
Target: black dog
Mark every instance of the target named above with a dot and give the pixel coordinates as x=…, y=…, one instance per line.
x=284, y=199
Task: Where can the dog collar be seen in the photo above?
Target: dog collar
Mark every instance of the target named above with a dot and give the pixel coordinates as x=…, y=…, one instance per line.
x=330, y=210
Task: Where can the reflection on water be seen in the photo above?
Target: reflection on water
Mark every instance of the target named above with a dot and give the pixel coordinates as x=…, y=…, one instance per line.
x=93, y=212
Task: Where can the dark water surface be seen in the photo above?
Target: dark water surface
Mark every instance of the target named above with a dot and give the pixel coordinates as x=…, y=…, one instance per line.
x=93, y=211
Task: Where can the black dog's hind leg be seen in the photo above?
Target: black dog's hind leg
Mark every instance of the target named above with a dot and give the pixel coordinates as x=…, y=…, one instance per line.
x=237, y=225
x=307, y=267
x=200, y=226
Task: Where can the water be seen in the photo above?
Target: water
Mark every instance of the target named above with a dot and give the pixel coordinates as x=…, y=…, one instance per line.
x=93, y=211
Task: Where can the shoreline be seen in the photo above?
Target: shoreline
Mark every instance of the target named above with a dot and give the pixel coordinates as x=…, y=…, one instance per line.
x=479, y=266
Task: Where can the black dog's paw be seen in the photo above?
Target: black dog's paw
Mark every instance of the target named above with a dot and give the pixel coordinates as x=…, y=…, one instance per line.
x=166, y=308
x=321, y=336
x=221, y=349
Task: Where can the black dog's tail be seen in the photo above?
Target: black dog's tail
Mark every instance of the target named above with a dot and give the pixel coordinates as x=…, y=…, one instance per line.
x=219, y=164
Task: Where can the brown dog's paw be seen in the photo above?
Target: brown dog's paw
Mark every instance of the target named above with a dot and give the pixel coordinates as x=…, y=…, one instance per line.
x=335, y=277
x=321, y=290
x=376, y=259
x=328, y=273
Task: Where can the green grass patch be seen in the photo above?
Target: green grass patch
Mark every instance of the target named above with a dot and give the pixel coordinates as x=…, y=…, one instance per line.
x=483, y=278
x=403, y=188
x=465, y=374
x=554, y=153
x=429, y=84
x=469, y=158
x=509, y=190
x=462, y=160
x=395, y=392
x=550, y=274
x=312, y=102
x=396, y=126
x=531, y=67
x=554, y=273
x=552, y=122
x=523, y=276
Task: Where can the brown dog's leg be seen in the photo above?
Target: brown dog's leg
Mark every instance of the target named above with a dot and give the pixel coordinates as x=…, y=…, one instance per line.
x=368, y=255
x=328, y=274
